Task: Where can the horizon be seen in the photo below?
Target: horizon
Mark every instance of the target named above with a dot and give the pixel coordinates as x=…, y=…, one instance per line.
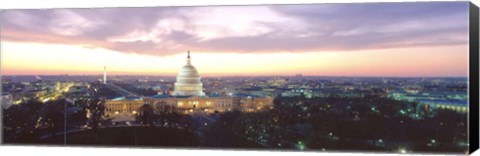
x=406, y=40
x=233, y=76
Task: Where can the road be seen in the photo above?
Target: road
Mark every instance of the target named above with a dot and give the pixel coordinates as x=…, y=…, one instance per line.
x=200, y=124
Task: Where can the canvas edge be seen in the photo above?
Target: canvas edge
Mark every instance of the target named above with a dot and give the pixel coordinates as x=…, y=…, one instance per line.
x=473, y=133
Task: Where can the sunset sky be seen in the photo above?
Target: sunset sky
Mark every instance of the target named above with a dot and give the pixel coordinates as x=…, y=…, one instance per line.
x=369, y=39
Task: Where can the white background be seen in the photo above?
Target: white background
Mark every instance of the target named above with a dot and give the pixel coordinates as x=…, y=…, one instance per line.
x=84, y=151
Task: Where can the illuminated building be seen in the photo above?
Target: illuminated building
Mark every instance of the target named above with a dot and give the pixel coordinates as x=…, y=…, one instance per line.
x=32, y=94
x=439, y=95
x=125, y=106
x=188, y=105
x=78, y=92
x=188, y=97
x=455, y=101
x=253, y=104
x=460, y=106
x=188, y=81
x=278, y=82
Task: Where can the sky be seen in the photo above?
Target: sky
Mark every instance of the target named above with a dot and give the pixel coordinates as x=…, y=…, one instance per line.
x=425, y=39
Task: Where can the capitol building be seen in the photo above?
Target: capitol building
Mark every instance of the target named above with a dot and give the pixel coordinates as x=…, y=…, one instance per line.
x=187, y=97
x=188, y=81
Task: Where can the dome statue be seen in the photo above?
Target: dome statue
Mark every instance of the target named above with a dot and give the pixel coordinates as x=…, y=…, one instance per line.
x=188, y=81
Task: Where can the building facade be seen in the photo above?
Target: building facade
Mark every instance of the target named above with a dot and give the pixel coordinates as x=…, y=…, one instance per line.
x=189, y=105
x=188, y=97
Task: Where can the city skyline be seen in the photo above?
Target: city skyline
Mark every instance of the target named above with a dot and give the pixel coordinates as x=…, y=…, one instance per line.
x=316, y=77
x=282, y=40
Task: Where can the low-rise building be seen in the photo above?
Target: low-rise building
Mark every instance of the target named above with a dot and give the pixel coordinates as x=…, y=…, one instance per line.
x=460, y=106
x=6, y=100
x=188, y=105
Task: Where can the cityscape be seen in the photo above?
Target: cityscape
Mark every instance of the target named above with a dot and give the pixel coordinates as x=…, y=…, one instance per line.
x=258, y=83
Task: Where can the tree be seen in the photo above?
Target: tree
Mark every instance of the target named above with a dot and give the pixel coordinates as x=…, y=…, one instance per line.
x=173, y=116
x=167, y=113
x=20, y=120
x=146, y=114
x=15, y=120
x=374, y=126
x=229, y=117
x=97, y=109
x=53, y=117
x=449, y=124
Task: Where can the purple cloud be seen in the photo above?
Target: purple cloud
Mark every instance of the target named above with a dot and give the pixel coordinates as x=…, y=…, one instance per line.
x=246, y=29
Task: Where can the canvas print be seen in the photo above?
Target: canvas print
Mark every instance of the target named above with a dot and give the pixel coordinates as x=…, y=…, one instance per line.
x=378, y=77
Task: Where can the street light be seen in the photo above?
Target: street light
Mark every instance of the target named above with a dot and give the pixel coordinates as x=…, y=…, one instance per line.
x=402, y=150
x=300, y=145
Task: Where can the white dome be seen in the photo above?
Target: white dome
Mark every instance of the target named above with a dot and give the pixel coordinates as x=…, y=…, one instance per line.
x=188, y=81
x=188, y=71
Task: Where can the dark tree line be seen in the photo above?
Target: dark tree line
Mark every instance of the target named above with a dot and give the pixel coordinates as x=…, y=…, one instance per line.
x=342, y=123
x=159, y=114
x=19, y=120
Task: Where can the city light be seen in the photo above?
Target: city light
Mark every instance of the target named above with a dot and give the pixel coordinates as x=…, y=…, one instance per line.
x=402, y=150
x=300, y=145
x=281, y=92
x=46, y=100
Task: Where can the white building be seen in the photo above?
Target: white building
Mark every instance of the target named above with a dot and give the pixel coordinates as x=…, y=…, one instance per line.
x=188, y=81
x=6, y=100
